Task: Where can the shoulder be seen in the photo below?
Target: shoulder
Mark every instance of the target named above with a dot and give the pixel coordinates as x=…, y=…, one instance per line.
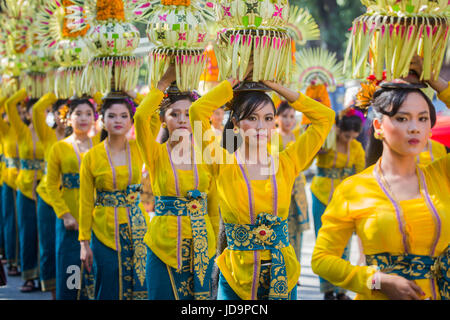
x=356, y=145
x=95, y=151
x=439, y=147
x=364, y=182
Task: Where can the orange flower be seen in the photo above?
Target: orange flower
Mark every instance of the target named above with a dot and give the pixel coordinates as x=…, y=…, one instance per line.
x=66, y=31
x=110, y=9
x=319, y=93
x=365, y=95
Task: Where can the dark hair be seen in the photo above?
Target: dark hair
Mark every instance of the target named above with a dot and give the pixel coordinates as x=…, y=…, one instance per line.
x=282, y=107
x=108, y=102
x=351, y=123
x=243, y=105
x=30, y=103
x=166, y=103
x=73, y=104
x=387, y=101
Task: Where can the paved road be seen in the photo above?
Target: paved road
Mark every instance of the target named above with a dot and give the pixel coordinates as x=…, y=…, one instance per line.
x=308, y=289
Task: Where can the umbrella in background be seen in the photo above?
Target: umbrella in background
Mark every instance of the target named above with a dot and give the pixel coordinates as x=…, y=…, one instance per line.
x=441, y=131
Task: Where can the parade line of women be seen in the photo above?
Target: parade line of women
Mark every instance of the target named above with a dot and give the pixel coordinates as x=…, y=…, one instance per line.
x=71, y=195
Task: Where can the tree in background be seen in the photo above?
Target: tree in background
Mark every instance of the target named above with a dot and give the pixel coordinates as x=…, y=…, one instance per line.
x=334, y=18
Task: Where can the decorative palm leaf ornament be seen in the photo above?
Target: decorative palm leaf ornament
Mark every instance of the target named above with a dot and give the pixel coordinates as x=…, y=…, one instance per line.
x=254, y=30
x=318, y=66
x=301, y=26
x=178, y=30
x=61, y=30
x=391, y=32
x=14, y=25
x=39, y=78
x=112, y=39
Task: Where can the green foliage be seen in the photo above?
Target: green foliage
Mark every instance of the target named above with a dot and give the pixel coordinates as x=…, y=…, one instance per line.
x=334, y=18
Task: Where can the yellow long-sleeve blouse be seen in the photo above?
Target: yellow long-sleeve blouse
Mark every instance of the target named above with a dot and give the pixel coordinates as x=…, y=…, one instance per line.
x=30, y=148
x=237, y=266
x=360, y=205
x=161, y=236
x=10, y=150
x=63, y=159
x=321, y=187
x=96, y=174
x=46, y=135
x=444, y=95
x=435, y=151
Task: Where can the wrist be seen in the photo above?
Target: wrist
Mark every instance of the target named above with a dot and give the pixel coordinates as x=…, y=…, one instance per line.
x=162, y=85
x=84, y=243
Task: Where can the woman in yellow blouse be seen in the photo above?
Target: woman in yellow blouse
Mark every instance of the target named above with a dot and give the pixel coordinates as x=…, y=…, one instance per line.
x=181, y=238
x=110, y=215
x=298, y=219
x=9, y=174
x=334, y=165
x=398, y=208
x=63, y=183
x=254, y=191
x=31, y=154
x=45, y=215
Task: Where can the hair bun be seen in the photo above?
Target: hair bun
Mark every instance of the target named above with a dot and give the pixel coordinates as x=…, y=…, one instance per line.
x=402, y=84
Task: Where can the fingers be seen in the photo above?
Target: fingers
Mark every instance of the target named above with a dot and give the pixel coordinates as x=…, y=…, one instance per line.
x=416, y=289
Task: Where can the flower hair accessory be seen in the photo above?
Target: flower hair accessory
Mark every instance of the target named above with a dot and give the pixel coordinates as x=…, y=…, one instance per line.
x=194, y=95
x=365, y=94
x=63, y=112
x=131, y=104
x=350, y=112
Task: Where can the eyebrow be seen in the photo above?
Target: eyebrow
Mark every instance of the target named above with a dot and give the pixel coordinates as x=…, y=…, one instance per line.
x=407, y=113
x=267, y=114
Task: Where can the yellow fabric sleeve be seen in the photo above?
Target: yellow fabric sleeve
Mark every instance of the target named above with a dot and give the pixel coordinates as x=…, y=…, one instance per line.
x=4, y=126
x=44, y=132
x=13, y=114
x=444, y=96
x=337, y=228
x=202, y=110
x=145, y=122
x=87, y=198
x=305, y=147
x=53, y=182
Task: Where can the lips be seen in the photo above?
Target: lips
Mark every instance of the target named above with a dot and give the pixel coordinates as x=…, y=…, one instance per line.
x=413, y=141
x=118, y=127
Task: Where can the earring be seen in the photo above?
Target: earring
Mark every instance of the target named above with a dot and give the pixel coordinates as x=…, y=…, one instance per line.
x=164, y=125
x=431, y=134
x=236, y=130
x=378, y=135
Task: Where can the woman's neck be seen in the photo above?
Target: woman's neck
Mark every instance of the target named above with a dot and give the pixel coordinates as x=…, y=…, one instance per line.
x=80, y=136
x=117, y=142
x=255, y=155
x=60, y=133
x=393, y=164
x=284, y=131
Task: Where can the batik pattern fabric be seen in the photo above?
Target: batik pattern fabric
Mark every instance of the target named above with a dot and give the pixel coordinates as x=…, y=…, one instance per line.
x=194, y=205
x=414, y=267
x=268, y=233
x=35, y=164
x=132, y=251
x=11, y=162
x=300, y=202
x=71, y=180
x=335, y=173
